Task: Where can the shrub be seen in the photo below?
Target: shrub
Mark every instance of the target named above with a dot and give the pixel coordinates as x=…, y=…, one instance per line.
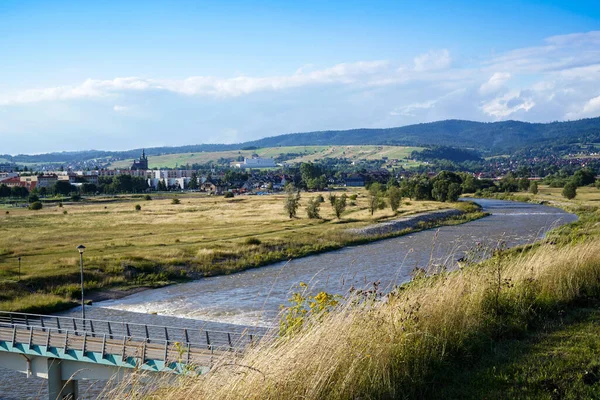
x=65, y=212
x=147, y=197
x=75, y=197
x=228, y=195
x=138, y=207
x=36, y=205
x=570, y=190
x=60, y=204
x=33, y=198
x=252, y=241
x=353, y=196
x=175, y=201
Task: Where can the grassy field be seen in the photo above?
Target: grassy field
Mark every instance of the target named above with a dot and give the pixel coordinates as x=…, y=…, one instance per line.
x=163, y=242
x=308, y=153
x=522, y=324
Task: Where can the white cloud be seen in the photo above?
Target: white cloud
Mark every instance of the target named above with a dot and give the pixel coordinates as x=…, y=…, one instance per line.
x=508, y=104
x=495, y=83
x=559, y=79
x=433, y=60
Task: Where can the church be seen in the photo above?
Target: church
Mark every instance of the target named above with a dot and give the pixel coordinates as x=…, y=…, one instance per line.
x=141, y=164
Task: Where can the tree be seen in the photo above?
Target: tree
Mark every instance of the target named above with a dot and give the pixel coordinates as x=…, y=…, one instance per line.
x=454, y=191
x=533, y=187
x=583, y=177
x=4, y=191
x=394, y=197
x=19, y=191
x=523, y=184
x=339, y=205
x=570, y=190
x=313, y=208
x=63, y=187
x=374, y=199
x=193, y=184
x=440, y=190
x=292, y=200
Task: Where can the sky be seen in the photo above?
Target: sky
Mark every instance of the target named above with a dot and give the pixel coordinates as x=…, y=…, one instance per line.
x=116, y=75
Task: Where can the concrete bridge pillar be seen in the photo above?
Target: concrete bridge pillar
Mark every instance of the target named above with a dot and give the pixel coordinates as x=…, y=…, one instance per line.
x=59, y=389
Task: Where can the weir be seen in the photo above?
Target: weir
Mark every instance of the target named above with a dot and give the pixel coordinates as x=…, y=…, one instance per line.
x=64, y=350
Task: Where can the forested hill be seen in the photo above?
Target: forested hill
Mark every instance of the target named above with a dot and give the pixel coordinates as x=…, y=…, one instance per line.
x=494, y=137
x=487, y=137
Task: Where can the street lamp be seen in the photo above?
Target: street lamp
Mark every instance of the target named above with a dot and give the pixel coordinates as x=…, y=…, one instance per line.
x=81, y=248
x=19, y=268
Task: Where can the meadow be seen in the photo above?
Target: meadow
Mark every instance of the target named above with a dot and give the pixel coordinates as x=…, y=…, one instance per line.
x=163, y=242
x=522, y=324
x=304, y=154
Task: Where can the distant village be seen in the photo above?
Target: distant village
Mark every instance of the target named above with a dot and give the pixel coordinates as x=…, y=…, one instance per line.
x=214, y=182
x=256, y=175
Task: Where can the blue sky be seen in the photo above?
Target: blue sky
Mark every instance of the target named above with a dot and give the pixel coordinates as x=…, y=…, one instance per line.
x=122, y=74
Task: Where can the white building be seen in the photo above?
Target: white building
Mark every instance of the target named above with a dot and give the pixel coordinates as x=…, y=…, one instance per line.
x=257, y=162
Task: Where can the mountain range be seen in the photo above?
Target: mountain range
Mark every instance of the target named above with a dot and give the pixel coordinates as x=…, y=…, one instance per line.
x=490, y=138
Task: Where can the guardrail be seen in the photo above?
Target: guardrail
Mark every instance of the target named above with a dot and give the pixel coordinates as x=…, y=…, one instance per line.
x=198, y=338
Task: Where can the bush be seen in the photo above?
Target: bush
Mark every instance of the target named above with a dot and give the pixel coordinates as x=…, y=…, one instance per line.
x=138, y=207
x=570, y=190
x=175, y=201
x=60, y=204
x=252, y=241
x=33, y=198
x=75, y=197
x=147, y=197
x=65, y=212
x=228, y=195
x=36, y=205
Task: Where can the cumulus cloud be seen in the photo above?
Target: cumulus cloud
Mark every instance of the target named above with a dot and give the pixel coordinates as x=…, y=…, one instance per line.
x=508, y=104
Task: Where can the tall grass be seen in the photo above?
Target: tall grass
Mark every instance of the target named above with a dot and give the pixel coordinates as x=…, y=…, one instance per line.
x=394, y=348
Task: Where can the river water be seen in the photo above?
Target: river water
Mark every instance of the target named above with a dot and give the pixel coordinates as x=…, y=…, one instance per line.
x=253, y=298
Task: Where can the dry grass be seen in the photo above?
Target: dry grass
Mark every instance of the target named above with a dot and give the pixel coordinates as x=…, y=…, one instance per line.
x=203, y=235
x=390, y=349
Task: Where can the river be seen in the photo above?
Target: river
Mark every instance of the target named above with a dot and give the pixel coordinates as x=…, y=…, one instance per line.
x=253, y=297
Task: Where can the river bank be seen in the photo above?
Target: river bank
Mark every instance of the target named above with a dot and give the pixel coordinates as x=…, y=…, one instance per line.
x=403, y=347
x=395, y=228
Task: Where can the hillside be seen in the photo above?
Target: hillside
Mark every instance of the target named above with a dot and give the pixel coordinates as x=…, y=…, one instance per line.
x=495, y=137
x=291, y=154
x=488, y=137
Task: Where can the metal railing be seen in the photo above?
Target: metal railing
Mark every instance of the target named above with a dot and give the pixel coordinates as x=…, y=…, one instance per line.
x=197, y=338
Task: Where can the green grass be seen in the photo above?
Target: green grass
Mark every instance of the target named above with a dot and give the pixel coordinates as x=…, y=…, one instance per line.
x=309, y=153
x=558, y=359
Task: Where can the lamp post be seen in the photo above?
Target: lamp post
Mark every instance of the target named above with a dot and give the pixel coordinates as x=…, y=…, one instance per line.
x=19, y=268
x=81, y=248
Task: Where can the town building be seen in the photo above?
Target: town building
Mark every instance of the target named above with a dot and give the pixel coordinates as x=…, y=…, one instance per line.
x=141, y=164
x=256, y=162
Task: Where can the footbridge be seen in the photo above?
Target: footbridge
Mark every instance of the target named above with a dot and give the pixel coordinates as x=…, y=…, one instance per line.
x=64, y=350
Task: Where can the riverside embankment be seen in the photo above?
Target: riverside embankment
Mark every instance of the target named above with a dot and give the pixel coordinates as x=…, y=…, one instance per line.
x=253, y=297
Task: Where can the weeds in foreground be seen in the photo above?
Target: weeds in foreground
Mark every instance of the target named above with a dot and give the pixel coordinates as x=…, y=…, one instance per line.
x=393, y=348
